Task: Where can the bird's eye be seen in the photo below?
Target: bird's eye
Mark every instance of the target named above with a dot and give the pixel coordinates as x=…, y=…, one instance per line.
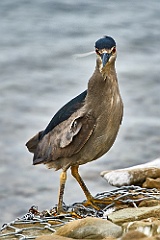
x=114, y=50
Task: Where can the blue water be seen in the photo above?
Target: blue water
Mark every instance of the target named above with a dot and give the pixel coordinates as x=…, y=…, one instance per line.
x=38, y=74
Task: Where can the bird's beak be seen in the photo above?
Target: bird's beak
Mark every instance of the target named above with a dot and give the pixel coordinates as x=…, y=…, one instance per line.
x=105, y=57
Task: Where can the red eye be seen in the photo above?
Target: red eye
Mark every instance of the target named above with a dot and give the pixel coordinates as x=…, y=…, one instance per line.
x=114, y=50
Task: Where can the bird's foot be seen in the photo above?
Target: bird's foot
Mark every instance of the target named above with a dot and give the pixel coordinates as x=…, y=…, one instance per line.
x=97, y=204
x=60, y=209
x=64, y=212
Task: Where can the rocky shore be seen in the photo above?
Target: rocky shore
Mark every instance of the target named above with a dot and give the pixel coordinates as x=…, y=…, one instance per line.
x=133, y=212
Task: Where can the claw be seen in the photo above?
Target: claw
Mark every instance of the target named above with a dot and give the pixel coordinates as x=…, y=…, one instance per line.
x=96, y=202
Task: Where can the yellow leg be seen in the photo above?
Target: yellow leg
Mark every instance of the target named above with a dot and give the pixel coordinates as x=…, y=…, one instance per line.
x=63, y=178
x=90, y=200
x=75, y=174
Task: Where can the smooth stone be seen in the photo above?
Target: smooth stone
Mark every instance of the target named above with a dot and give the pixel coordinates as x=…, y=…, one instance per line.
x=53, y=237
x=57, y=237
x=150, y=227
x=133, y=235
x=109, y=238
x=90, y=228
x=152, y=183
x=134, y=214
x=135, y=175
x=149, y=203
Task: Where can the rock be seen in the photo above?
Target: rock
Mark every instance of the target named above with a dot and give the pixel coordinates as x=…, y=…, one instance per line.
x=57, y=237
x=149, y=227
x=53, y=237
x=109, y=238
x=135, y=175
x=134, y=214
x=133, y=235
x=152, y=183
x=149, y=203
x=90, y=228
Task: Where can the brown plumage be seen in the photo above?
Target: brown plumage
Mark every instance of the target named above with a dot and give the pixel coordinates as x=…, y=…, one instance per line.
x=86, y=127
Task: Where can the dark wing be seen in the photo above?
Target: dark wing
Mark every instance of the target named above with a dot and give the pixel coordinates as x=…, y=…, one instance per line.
x=63, y=114
x=65, y=140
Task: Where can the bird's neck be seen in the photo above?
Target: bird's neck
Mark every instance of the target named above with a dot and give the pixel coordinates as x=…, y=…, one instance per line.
x=102, y=86
x=103, y=79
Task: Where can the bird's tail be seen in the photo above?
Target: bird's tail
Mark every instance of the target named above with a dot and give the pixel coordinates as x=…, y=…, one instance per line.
x=33, y=142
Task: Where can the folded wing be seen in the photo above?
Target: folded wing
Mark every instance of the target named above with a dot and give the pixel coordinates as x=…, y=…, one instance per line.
x=65, y=140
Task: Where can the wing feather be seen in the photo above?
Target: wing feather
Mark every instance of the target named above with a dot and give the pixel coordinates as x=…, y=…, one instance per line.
x=62, y=115
x=65, y=112
x=65, y=140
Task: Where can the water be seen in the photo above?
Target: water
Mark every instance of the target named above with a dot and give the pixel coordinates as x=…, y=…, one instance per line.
x=39, y=74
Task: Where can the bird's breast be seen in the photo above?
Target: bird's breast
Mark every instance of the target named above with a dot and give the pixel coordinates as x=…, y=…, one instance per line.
x=106, y=128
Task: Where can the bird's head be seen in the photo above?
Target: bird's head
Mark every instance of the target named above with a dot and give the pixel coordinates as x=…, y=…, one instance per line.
x=105, y=49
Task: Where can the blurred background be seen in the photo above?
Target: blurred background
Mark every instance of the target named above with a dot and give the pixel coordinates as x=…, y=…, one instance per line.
x=38, y=75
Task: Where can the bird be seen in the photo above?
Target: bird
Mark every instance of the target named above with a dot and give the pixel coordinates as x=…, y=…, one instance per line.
x=86, y=127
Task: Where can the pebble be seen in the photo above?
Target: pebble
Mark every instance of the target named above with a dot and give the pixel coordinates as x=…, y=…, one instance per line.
x=134, y=214
x=133, y=235
x=53, y=237
x=152, y=183
x=149, y=227
x=90, y=228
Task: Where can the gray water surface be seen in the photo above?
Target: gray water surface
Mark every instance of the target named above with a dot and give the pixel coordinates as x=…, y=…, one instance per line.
x=38, y=74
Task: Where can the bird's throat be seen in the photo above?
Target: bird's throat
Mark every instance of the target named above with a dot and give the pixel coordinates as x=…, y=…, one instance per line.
x=107, y=71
